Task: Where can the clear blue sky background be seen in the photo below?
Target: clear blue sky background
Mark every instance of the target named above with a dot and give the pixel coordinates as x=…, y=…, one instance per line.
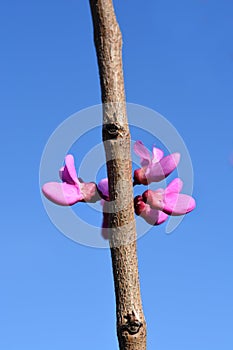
x=178, y=60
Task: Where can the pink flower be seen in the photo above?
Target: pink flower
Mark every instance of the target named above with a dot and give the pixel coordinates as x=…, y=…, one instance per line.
x=170, y=200
x=155, y=206
x=151, y=216
x=72, y=189
x=154, y=168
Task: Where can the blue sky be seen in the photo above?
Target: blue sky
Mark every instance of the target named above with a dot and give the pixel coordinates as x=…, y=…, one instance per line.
x=178, y=60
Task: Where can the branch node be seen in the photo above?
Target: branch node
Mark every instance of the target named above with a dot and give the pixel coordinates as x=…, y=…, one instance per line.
x=133, y=325
x=111, y=131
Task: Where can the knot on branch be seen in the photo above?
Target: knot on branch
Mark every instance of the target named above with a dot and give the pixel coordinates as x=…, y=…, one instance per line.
x=111, y=131
x=132, y=324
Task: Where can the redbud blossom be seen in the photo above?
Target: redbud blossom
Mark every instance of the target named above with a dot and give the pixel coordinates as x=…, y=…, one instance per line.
x=170, y=200
x=72, y=189
x=154, y=168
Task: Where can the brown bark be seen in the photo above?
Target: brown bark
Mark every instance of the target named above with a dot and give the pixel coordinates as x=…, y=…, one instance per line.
x=131, y=325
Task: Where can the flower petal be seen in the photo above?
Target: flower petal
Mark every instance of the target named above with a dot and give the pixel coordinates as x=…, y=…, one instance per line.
x=157, y=154
x=178, y=204
x=161, y=217
x=142, y=152
x=174, y=186
x=158, y=171
x=62, y=193
x=68, y=172
x=153, y=216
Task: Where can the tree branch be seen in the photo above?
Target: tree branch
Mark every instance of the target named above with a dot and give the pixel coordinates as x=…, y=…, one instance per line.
x=131, y=325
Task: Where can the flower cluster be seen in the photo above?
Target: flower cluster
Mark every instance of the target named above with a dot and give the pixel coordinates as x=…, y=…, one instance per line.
x=153, y=206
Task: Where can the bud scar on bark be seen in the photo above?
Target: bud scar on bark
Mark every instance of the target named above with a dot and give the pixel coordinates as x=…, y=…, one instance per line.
x=132, y=325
